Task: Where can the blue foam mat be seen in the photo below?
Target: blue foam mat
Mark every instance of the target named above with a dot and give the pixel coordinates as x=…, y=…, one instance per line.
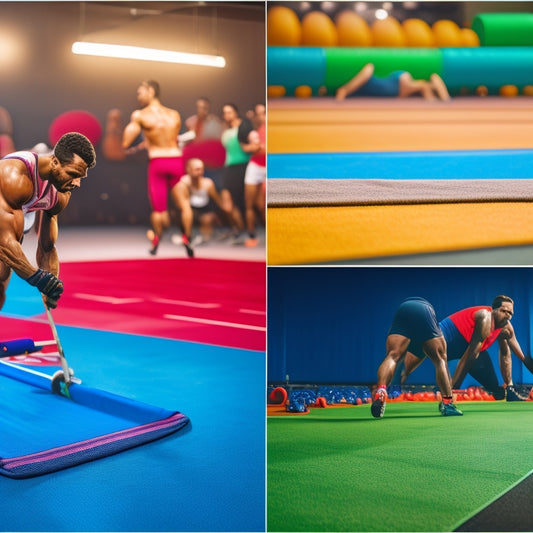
x=467, y=164
x=92, y=424
x=208, y=479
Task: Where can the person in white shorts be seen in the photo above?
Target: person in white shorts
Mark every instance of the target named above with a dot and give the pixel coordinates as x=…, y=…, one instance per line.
x=255, y=177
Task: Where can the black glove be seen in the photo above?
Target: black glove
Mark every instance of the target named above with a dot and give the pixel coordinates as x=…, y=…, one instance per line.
x=48, y=284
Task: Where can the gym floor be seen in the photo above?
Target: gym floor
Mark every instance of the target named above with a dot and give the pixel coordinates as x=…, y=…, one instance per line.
x=178, y=333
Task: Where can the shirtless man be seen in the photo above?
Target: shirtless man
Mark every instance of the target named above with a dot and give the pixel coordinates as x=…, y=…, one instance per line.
x=468, y=334
x=160, y=126
x=30, y=183
x=195, y=195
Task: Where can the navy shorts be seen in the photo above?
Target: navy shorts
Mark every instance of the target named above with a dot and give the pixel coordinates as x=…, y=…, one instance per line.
x=416, y=320
x=388, y=86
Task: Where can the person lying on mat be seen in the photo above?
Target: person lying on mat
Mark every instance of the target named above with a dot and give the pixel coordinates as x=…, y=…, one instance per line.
x=414, y=328
x=468, y=334
x=28, y=184
x=398, y=84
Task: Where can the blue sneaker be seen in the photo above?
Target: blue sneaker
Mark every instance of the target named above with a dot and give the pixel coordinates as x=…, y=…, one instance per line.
x=511, y=395
x=378, y=405
x=449, y=409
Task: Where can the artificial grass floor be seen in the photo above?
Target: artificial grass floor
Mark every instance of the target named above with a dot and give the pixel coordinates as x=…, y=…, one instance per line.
x=339, y=469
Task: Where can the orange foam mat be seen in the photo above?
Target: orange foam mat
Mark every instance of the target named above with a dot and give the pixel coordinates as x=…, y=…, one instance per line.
x=321, y=234
x=373, y=124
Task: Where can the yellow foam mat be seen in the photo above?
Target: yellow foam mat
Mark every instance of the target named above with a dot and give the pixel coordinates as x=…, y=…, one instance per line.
x=372, y=125
x=320, y=234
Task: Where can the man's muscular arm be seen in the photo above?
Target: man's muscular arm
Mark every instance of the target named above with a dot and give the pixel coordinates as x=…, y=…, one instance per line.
x=481, y=332
x=132, y=130
x=47, y=259
x=508, y=337
x=16, y=189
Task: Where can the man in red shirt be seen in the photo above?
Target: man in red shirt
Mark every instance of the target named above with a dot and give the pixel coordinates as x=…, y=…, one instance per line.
x=468, y=334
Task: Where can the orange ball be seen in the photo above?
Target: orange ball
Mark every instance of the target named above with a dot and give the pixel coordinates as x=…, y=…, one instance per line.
x=353, y=30
x=388, y=33
x=283, y=27
x=318, y=30
x=276, y=91
x=418, y=33
x=469, y=38
x=303, y=91
x=482, y=90
x=527, y=90
x=446, y=33
x=508, y=90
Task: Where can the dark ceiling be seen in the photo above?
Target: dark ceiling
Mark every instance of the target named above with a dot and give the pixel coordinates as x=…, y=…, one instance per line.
x=233, y=10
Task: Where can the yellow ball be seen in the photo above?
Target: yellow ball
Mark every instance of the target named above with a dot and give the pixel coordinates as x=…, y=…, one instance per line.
x=469, y=38
x=446, y=33
x=303, y=91
x=283, y=27
x=418, y=33
x=318, y=30
x=353, y=30
x=527, y=90
x=508, y=90
x=388, y=33
x=276, y=91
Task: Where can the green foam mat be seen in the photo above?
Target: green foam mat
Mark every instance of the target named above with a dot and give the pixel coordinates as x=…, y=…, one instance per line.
x=342, y=64
x=339, y=469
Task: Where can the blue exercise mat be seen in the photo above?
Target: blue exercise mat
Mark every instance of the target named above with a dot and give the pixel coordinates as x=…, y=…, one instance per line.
x=467, y=164
x=44, y=432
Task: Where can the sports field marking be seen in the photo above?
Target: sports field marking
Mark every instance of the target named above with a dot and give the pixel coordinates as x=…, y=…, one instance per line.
x=252, y=311
x=108, y=299
x=214, y=322
x=185, y=303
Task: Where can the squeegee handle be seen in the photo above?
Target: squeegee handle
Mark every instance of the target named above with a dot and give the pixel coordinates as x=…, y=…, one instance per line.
x=62, y=358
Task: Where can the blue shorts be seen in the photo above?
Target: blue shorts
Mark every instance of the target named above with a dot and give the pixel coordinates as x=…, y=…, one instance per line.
x=388, y=86
x=456, y=343
x=481, y=369
x=416, y=320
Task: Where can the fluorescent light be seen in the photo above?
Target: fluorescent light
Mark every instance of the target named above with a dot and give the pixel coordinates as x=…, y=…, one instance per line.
x=146, y=54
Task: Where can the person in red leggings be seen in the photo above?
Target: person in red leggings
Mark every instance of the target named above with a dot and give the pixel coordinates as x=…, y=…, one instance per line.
x=160, y=126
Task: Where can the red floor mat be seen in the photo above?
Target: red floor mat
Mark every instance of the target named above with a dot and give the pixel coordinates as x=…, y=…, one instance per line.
x=201, y=300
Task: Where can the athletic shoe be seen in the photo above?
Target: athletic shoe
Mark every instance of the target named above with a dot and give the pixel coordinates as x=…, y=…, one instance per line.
x=441, y=406
x=188, y=246
x=511, y=395
x=449, y=409
x=154, y=239
x=199, y=240
x=237, y=240
x=378, y=405
x=251, y=242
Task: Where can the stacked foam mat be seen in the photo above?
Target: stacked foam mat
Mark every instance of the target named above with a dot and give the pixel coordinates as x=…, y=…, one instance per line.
x=455, y=167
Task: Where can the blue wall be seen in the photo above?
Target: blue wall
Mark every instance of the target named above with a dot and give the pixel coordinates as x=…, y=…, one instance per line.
x=329, y=324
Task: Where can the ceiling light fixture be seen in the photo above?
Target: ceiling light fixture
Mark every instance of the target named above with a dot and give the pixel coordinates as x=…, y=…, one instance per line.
x=146, y=54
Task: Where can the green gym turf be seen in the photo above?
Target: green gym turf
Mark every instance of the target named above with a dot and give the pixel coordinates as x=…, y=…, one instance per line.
x=339, y=469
